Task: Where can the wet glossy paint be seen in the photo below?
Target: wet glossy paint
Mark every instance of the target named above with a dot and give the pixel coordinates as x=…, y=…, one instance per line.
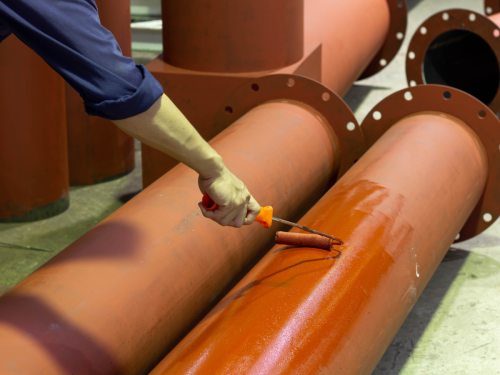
x=299, y=311
x=120, y=297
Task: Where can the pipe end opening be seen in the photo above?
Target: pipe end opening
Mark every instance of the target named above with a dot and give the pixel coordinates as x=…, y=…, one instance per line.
x=463, y=60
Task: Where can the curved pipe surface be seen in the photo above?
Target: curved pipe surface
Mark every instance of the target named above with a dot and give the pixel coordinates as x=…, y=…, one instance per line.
x=120, y=297
x=233, y=36
x=33, y=150
x=341, y=37
x=303, y=310
x=350, y=32
x=98, y=150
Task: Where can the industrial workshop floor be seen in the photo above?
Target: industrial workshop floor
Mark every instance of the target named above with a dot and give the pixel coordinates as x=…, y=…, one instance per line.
x=454, y=327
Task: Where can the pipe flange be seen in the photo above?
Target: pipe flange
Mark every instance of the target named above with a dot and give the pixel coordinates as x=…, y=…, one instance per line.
x=463, y=106
x=393, y=41
x=440, y=23
x=290, y=87
x=491, y=6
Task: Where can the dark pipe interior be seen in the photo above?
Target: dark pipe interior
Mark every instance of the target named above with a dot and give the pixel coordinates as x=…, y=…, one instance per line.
x=463, y=60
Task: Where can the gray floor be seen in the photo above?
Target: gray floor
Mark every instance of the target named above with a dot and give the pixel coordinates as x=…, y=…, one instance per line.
x=453, y=328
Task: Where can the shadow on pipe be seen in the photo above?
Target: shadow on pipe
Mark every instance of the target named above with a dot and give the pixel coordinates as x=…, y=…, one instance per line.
x=48, y=320
x=66, y=357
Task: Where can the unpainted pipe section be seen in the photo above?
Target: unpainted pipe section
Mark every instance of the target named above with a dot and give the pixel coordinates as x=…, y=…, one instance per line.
x=97, y=150
x=398, y=209
x=458, y=48
x=343, y=40
x=33, y=150
x=120, y=297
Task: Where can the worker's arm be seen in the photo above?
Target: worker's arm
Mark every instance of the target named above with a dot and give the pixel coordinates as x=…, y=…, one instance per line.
x=165, y=128
x=67, y=34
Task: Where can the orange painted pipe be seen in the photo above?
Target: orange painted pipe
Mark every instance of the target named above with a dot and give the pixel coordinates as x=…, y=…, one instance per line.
x=33, y=150
x=120, y=297
x=229, y=36
x=98, y=151
x=305, y=311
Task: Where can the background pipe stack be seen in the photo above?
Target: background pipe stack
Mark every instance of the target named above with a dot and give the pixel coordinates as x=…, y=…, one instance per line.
x=98, y=150
x=33, y=149
x=120, y=297
x=213, y=47
x=431, y=174
x=459, y=48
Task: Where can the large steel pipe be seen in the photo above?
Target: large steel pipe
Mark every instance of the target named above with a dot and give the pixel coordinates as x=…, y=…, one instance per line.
x=343, y=40
x=233, y=36
x=97, y=150
x=351, y=33
x=33, y=149
x=120, y=297
x=398, y=209
x=458, y=48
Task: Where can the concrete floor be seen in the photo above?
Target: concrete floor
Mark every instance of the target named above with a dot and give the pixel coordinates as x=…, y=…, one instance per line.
x=453, y=328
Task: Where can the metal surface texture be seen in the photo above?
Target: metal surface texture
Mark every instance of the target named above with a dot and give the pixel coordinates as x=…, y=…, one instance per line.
x=33, y=150
x=120, y=297
x=228, y=36
x=458, y=48
x=461, y=105
x=491, y=6
x=304, y=311
x=99, y=151
x=341, y=38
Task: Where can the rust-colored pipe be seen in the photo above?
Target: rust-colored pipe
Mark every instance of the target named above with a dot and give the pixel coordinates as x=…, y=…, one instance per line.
x=458, y=48
x=233, y=36
x=120, y=297
x=344, y=40
x=398, y=209
x=98, y=151
x=33, y=150
x=350, y=34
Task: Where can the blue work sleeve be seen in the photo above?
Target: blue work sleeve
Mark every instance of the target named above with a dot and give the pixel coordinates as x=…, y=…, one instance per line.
x=68, y=35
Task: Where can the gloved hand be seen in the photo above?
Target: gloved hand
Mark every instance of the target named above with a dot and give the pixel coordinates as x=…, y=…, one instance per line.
x=236, y=208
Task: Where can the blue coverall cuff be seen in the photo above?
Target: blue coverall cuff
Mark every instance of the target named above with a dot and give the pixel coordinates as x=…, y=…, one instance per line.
x=146, y=95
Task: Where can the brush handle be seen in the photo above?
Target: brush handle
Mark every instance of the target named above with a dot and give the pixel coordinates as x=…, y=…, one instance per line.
x=265, y=217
